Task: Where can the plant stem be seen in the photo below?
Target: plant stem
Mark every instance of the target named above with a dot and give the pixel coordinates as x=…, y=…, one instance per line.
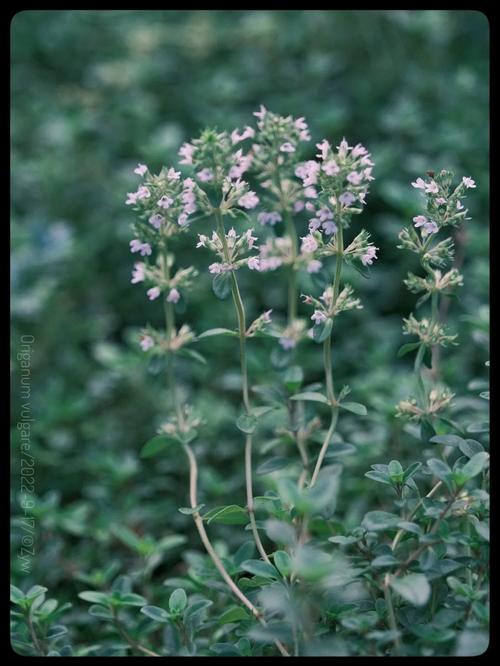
x=133, y=643
x=170, y=329
x=193, y=481
x=240, y=311
x=327, y=361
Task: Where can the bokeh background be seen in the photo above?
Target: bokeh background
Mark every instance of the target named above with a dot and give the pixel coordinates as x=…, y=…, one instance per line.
x=95, y=92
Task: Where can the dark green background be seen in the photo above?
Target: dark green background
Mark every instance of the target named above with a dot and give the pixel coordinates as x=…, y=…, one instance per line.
x=95, y=92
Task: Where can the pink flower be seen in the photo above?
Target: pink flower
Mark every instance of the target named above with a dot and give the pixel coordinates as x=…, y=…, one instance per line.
x=309, y=244
x=261, y=112
x=287, y=343
x=310, y=193
x=248, y=133
x=314, y=266
x=248, y=200
x=331, y=168
x=419, y=184
x=138, y=273
x=468, y=182
x=143, y=192
x=137, y=246
x=329, y=227
x=153, y=293
x=165, y=202
x=354, y=177
x=347, y=198
x=172, y=174
x=140, y=169
x=205, y=175
x=186, y=151
x=369, y=256
x=173, y=296
x=431, y=188
x=269, y=218
x=146, y=342
x=156, y=220
x=318, y=316
x=323, y=148
x=253, y=263
x=287, y=147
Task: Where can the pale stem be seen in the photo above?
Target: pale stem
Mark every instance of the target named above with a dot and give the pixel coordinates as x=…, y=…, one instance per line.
x=193, y=481
x=240, y=311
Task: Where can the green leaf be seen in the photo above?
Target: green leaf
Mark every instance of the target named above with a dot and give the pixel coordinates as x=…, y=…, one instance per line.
x=95, y=597
x=177, y=601
x=408, y=347
x=16, y=595
x=234, y=614
x=475, y=465
x=273, y=464
x=155, y=613
x=322, y=330
x=469, y=447
x=414, y=588
x=217, y=331
x=354, y=407
x=231, y=514
x=311, y=396
x=260, y=568
x=375, y=521
x=381, y=477
x=447, y=440
x=293, y=378
x=155, y=445
x=282, y=562
x=221, y=285
x=396, y=472
x=246, y=423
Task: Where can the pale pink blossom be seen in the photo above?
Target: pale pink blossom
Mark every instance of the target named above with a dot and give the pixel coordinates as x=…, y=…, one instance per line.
x=205, y=175
x=269, y=218
x=146, y=342
x=138, y=274
x=173, y=296
x=369, y=255
x=314, y=266
x=331, y=168
x=309, y=244
x=186, y=151
x=140, y=169
x=172, y=174
x=153, y=293
x=323, y=148
x=156, y=220
x=468, y=182
x=253, y=263
x=165, y=202
x=248, y=133
x=318, y=316
x=248, y=200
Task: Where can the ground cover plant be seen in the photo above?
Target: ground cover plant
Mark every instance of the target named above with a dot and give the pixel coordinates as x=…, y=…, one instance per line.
x=306, y=470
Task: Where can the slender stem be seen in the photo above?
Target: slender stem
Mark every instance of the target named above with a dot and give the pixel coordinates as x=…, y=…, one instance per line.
x=133, y=643
x=240, y=311
x=327, y=360
x=170, y=329
x=193, y=481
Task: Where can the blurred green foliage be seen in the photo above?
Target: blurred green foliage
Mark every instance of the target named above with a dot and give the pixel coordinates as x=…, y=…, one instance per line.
x=93, y=93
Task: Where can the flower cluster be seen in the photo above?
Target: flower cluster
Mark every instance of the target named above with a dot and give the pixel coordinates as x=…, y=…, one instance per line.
x=230, y=249
x=429, y=333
